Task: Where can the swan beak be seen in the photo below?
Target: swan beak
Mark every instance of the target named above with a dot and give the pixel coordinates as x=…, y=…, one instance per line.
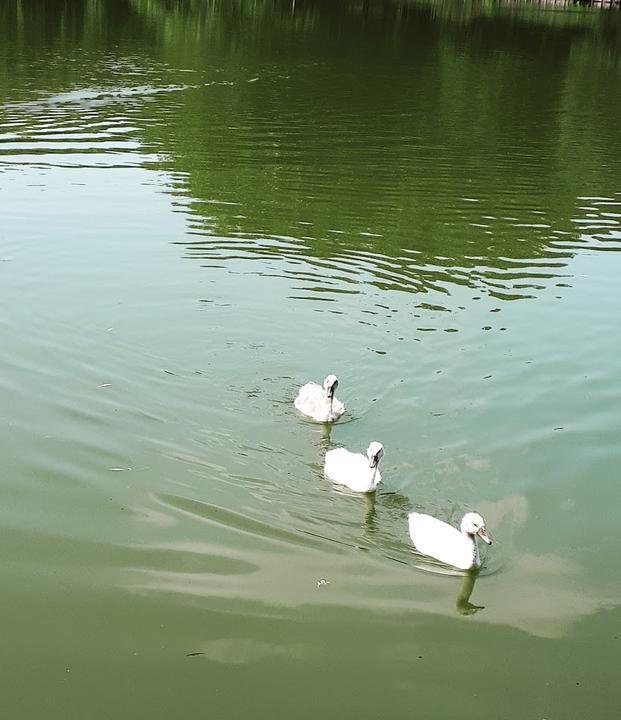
x=482, y=533
x=330, y=392
x=373, y=460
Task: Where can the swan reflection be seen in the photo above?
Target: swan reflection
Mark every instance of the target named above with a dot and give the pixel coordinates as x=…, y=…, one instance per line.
x=370, y=514
x=463, y=604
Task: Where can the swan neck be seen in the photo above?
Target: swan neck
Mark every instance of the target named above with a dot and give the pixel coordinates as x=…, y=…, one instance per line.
x=472, y=539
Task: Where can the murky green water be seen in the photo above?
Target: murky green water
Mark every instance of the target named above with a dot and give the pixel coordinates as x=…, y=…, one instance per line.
x=204, y=205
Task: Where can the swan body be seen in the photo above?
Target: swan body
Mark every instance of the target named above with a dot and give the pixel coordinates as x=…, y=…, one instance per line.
x=357, y=471
x=446, y=543
x=318, y=401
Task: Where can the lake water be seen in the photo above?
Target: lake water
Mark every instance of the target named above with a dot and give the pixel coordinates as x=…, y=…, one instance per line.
x=205, y=205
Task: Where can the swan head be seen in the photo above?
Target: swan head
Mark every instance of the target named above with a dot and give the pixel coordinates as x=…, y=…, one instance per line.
x=374, y=453
x=329, y=385
x=473, y=524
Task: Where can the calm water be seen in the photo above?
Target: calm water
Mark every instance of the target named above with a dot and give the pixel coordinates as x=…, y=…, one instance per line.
x=204, y=205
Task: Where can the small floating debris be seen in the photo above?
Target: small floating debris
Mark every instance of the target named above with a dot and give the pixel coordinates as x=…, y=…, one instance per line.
x=103, y=385
x=321, y=582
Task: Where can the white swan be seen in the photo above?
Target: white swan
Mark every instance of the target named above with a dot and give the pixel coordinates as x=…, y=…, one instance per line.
x=359, y=472
x=318, y=402
x=443, y=542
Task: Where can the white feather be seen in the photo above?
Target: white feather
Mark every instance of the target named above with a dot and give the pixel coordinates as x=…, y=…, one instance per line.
x=313, y=401
x=443, y=542
x=354, y=469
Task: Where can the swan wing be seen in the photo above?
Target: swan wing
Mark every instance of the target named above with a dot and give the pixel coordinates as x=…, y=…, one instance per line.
x=341, y=463
x=350, y=469
x=311, y=399
x=440, y=540
x=310, y=391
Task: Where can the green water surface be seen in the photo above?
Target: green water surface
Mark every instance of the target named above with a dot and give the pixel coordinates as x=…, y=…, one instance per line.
x=203, y=205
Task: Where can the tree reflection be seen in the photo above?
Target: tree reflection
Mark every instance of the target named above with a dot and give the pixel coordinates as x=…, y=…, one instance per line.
x=450, y=156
